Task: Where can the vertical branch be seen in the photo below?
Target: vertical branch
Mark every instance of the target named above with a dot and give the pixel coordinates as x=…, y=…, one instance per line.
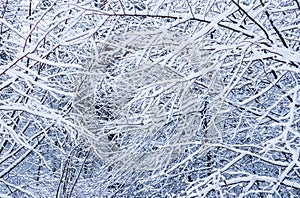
x=63, y=177
x=79, y=173
x=29, y=17
x=207, y=137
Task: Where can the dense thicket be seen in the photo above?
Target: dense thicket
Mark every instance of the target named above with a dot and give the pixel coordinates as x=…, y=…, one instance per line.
x=155, y=98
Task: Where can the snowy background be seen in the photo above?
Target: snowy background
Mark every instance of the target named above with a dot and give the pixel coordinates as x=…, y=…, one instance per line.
x=154, y=98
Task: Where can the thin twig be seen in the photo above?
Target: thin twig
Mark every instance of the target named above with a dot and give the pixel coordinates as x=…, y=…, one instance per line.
x=254, y=21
